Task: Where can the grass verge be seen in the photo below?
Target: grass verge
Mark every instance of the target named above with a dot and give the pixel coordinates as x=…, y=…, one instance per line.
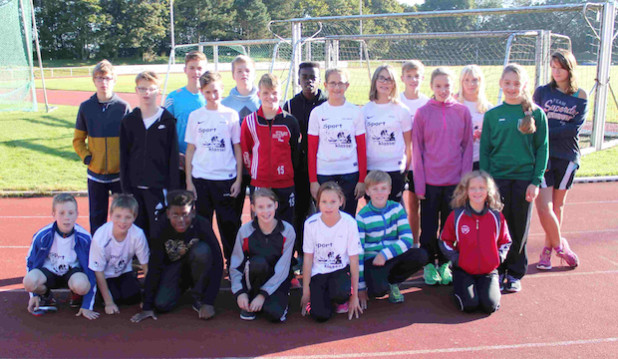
x=37, y=154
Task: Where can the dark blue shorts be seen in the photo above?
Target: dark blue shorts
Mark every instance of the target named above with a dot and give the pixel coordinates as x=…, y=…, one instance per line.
x=560, y=173
x=55, y=281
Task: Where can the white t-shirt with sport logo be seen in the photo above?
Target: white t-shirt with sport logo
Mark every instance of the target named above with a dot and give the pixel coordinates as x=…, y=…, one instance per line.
x=331, y=246
x=337, y=128
x=213, y=133
x=384, y=126
x=114, y=258
x=62, y=256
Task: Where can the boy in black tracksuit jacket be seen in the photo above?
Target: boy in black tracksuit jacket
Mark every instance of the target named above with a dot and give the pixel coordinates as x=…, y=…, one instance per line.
x=148, y=154
x=300, y=107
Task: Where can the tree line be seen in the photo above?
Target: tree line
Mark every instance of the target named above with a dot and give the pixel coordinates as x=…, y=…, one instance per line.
x=84, y=29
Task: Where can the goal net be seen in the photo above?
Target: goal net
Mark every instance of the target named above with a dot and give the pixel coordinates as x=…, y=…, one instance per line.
x=17, y=86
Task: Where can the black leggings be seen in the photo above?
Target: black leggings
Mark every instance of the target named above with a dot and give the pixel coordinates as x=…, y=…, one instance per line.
x=474, y=292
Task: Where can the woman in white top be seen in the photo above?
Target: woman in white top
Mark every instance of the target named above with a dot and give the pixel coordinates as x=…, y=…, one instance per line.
x=472, y=94
x=388, y=126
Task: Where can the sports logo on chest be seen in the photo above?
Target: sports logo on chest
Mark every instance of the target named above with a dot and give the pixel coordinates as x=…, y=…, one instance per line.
x=465, y=229
x=281, y=136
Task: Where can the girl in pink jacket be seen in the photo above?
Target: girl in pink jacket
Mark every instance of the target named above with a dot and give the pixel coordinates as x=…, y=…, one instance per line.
x=442, y=142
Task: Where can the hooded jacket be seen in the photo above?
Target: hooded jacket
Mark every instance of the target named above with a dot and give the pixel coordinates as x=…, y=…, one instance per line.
x=442, y=142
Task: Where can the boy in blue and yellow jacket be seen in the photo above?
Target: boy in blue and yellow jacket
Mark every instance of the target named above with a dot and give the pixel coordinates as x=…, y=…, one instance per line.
x=96, y=141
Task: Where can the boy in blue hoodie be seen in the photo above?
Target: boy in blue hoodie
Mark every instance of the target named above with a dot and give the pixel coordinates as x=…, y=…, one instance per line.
x=243, y=99
x=58, y=257
x=185, y=100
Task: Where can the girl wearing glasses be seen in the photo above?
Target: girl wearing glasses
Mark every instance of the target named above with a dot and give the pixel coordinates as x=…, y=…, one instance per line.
x=388, y=125
x=336, y=137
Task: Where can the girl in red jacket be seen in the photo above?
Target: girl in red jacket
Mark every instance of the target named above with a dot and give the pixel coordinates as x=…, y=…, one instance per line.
x=476, y=240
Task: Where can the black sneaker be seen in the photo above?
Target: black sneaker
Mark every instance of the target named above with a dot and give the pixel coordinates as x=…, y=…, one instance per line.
x=246, y=315
x=513, y=285
x=47, y=300
x=75, y=300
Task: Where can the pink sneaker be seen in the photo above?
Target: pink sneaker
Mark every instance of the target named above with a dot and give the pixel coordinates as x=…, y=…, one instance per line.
x=342, y=308
x=295, y=284
x=566, y=254
x=545, y=259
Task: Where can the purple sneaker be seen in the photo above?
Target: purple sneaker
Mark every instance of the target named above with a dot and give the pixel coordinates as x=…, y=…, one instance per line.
x=545, y=259
x=566, y=254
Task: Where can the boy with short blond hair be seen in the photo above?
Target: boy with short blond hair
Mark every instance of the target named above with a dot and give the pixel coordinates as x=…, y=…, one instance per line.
x=214, y=162
x=111, y=255
x=269, y=139
x=412, y=75
x=187, y=99
x=148, y=152
x=58, y=257
x=243, y=99
x=95, y=140
x=389, y=257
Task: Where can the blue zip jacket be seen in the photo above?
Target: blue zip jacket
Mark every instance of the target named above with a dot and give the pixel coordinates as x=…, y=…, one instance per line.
x=41, y=245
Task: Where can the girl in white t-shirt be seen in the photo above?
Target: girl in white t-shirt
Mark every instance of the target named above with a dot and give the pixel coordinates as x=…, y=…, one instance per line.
x=472, y=94
x=330, y=267
x=388, y=126
x=336, y=141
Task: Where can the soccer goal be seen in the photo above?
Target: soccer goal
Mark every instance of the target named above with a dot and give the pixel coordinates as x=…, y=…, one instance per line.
x=17, y=45
x=455, y=38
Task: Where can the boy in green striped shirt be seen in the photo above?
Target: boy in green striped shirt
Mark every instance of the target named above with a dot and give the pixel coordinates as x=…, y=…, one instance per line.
x=389, y=255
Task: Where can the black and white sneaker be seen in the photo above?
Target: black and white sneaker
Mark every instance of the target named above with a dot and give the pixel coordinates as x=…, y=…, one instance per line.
x=246, y=315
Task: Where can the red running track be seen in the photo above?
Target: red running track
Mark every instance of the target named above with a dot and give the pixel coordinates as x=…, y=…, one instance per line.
x=562, y=313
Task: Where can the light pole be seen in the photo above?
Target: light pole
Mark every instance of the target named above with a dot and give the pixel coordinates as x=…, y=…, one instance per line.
x=360, y=44
x=172, y=32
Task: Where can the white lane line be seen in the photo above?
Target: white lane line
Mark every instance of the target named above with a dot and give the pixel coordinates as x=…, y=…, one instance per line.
x=577, y=232
x=609, y=260
x=448, y=350
x=14, y=247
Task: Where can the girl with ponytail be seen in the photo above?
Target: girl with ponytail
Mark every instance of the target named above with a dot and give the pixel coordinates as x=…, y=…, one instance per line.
x=514, y=150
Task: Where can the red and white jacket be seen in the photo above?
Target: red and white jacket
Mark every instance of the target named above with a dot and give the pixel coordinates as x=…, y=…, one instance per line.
x=477, y=243
x=270, y=148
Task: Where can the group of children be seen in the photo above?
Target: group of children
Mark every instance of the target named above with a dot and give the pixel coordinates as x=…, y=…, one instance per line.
x=470, y=169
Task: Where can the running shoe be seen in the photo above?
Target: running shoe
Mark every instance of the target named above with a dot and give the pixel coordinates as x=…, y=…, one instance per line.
x=445, y=273
x=246, y=315
x=513, y=285
x=431, y=275
x=342, y=308
x=75, y=300
x=545, y=259
x=394, y=294
x=47, y=300
x=565, y=253
x=295, y=284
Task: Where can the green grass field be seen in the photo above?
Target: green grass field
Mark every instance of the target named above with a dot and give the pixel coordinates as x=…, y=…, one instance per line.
x=358, y=91
x=37, y=154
